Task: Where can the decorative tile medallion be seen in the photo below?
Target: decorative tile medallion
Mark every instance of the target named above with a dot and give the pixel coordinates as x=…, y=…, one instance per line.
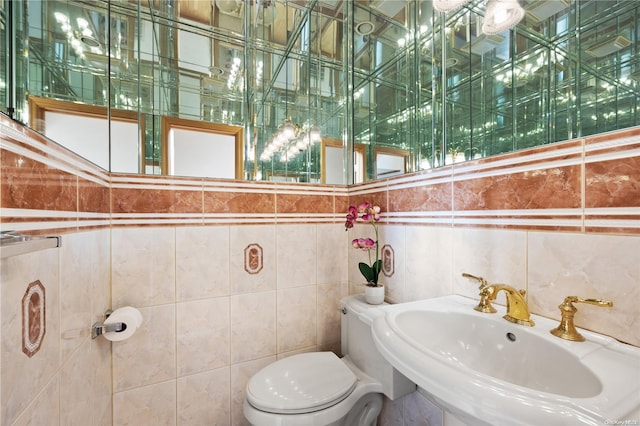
x=387, y=256
x=33, y=318
x=253, y=258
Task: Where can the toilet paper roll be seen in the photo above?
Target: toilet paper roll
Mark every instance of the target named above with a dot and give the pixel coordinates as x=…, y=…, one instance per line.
x=130, y=316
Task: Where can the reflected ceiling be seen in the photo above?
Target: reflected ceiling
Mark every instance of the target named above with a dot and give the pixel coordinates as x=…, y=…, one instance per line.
x=378, y=73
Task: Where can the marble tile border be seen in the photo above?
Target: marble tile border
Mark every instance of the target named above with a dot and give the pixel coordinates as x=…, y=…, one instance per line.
x=583, y=185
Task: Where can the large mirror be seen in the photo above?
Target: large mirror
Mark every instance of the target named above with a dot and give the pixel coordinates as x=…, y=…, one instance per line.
x=322, y=91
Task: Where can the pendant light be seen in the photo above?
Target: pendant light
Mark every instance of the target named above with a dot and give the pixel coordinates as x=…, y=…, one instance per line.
x=501, y=15
x=448, y=5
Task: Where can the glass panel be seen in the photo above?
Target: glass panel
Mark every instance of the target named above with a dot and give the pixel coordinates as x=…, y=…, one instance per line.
x=390, y=74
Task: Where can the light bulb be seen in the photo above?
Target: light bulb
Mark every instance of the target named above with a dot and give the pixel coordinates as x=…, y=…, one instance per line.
x=61, y=17
x=314, y=134
x=82, y=23
x=288, y=131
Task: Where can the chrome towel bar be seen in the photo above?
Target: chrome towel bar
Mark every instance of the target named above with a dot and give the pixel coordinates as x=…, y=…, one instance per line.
x=13, y=243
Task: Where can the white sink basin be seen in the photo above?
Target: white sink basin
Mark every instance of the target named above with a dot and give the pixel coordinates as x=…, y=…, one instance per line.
x=488, y=370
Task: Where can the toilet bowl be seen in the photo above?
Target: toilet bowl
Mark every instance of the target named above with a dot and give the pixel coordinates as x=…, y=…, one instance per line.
x=316, y=388
x=321, y=389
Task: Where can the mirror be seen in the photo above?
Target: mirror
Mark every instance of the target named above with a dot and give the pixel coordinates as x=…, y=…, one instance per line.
x=391, y=162
x=201, y=149
x=392, y=86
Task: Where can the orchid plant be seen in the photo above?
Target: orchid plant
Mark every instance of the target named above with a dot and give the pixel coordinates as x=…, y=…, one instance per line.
x=368, y=213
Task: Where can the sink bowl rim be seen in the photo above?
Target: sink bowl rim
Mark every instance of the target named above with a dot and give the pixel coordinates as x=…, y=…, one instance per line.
x=440, y=372
x=499, y=326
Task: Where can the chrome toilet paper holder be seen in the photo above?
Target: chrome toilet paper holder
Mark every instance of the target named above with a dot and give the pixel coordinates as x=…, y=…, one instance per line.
x=99, y=328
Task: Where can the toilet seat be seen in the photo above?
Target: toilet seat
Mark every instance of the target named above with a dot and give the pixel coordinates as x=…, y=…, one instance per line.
x=301, y=384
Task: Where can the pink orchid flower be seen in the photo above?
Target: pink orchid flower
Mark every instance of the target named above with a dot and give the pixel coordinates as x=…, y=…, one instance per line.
x=371, y=214
x=368, y=213
x=362, y=207
x=363, y=243
x=352, y=216
x=375, y=211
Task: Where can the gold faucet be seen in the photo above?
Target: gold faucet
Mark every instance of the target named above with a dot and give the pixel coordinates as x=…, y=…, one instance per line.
x=517, y=309
x=566, y=329
x=484, y=305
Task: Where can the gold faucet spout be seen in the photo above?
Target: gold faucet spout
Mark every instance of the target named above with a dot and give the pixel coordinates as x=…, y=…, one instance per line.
x=517, y=309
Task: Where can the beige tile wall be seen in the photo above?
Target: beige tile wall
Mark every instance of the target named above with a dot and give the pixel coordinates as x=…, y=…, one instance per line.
x=213, y=342
x=68, y=381
x=548, y=265
x=209, y=324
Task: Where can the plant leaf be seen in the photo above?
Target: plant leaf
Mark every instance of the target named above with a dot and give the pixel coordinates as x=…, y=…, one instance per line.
x=377, y=266
x=367, y=272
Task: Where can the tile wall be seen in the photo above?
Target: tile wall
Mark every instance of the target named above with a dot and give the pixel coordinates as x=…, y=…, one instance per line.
x=66, y=380
x=229, y=277
x=209, y=324
x=232, y=275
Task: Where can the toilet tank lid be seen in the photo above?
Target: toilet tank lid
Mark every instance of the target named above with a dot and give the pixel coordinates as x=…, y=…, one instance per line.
x=301, y=383
x=357, y=304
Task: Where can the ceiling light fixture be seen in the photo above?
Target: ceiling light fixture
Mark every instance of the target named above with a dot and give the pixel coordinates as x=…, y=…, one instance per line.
x=365, y=28
x=89, y=41
x=235, y=80
x=213, y=70
x=81, y=37
x=502, y=15
x=448, y=5
x=290, y=140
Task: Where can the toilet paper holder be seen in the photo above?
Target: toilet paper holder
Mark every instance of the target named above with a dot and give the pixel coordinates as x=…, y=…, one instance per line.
x=99, y=328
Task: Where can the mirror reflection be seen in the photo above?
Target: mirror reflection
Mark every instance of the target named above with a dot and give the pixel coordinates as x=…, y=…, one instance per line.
x=322, y=91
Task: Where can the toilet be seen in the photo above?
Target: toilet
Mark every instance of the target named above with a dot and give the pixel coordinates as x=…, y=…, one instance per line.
x=321, y=389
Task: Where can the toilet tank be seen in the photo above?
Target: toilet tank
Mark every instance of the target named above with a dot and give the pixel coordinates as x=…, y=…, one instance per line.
x=358, y=345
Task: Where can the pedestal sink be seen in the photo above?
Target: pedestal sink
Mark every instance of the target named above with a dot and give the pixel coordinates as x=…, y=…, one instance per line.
x=490, y=371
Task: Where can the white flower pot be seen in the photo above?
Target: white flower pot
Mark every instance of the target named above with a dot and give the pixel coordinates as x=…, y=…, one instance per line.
x=374, y=295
